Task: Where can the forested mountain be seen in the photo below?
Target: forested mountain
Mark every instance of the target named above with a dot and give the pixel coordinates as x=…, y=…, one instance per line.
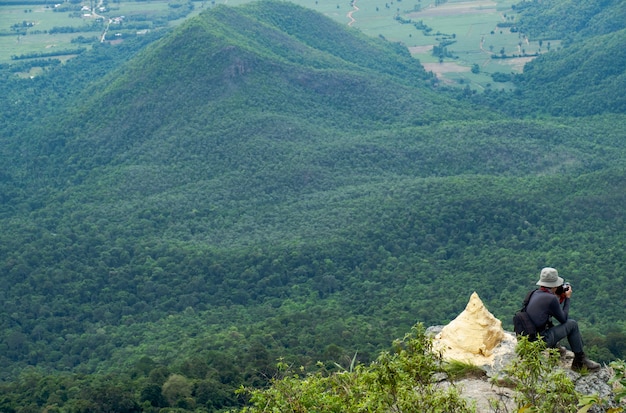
x=587, y=75
x=596, y=88
x=571, y=19
x=263, y=182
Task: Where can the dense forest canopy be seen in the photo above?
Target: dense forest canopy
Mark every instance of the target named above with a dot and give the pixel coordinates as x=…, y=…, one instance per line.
x=264, y=182
x=594, y=89
x=571, y=19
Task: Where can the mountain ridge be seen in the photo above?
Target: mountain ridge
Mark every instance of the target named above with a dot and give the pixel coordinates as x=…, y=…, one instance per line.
x=237, y=76
x=598, y=82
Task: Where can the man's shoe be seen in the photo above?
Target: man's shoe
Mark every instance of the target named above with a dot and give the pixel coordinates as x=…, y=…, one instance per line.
x=581, y=361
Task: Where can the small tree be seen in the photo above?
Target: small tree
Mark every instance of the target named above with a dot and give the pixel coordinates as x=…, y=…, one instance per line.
x=177, y=390
x=540, y=386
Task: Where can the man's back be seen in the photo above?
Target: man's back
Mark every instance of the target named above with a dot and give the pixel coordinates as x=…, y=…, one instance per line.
x=542, y=305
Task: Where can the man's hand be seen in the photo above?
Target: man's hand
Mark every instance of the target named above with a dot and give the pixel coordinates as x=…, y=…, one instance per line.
x=568, y=293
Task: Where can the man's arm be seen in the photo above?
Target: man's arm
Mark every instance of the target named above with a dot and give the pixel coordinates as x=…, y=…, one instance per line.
x=557, y=312
x=566, y=307
x=566, y=301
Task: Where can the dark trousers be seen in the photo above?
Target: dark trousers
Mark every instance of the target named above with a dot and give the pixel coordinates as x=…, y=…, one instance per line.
x=568, y=329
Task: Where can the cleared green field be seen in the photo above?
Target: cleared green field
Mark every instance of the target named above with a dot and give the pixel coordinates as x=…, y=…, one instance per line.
x=138, y=8
x=39, y=43
x=473, y=25
x=42, y=24
x=470, y=28
x=38, y=20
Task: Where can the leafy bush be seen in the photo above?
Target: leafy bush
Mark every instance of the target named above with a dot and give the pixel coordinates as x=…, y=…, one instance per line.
x=399, y=381
x=540, y=386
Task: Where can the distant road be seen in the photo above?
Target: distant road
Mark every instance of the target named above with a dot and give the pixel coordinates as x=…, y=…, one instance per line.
x=95, y=14
x=354, y=10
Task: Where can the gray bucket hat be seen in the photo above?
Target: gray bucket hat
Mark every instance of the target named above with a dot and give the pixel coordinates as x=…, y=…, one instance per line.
x=550, y=278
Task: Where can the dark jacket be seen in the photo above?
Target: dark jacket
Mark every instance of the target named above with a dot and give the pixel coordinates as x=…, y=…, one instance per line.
x=543, y=305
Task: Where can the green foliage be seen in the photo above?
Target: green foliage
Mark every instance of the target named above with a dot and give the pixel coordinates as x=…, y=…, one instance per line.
x=501, y=77
x=591, y=90
x=400, y=381
x=540, y=386
x=188, y=210
x=619, y=380
x=48, y=54
x=583, y=76
x=569, y=18
x=458, y=369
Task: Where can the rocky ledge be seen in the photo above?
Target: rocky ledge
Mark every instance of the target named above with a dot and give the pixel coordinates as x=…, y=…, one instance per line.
x=477, y=337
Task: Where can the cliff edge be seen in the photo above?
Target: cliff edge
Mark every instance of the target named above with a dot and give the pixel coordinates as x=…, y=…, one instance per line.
x=476, y=337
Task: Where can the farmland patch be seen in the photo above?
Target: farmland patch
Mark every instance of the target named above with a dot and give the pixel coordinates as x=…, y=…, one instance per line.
x=454, y=9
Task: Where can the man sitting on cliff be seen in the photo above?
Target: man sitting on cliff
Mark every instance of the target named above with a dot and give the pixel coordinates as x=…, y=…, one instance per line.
x=545, y=303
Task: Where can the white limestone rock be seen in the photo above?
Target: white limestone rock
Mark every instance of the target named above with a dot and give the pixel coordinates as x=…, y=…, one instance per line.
x=474, y=336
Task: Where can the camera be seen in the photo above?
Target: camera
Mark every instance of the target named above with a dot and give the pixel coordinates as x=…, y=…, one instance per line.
x=562, y=289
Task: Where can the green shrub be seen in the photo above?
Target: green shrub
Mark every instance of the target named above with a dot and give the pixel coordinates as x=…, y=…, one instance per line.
x=539, y=384
x=399, y=381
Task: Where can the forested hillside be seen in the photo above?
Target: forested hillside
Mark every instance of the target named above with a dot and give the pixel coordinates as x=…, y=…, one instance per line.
x=594, y=89
x=584, y=77
x=264, y=182
x=571, y=19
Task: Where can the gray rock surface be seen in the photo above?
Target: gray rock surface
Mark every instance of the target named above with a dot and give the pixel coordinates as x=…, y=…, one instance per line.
x=484, y=391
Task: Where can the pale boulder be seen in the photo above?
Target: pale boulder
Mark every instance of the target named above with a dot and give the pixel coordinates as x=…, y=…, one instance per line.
x=473, y=336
